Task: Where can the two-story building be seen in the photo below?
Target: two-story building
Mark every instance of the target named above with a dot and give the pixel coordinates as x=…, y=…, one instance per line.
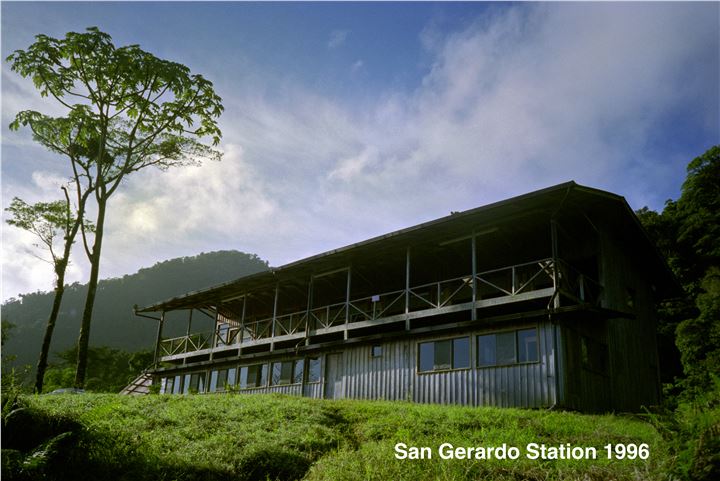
x=545, y=299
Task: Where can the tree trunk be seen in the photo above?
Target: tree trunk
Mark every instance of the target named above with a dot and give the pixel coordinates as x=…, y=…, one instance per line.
x=60, y=268
x=84, y=339
x=49, y=328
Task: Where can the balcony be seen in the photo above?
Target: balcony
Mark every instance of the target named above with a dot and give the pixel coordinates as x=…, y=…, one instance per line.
x=539, y=279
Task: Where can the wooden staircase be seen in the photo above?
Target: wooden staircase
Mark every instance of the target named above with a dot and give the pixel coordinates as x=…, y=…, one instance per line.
x=140, y=386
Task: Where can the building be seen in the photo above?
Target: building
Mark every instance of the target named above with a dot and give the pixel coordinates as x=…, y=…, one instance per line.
x=542, y=300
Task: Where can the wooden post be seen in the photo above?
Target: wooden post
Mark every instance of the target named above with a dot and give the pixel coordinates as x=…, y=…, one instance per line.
x=556, y=263
x=309, y=308
x=272, y=328
x=407, y=288
x=347, y=301
x=473, y=246
x=159, y=338
x=215, y=330
x=242, y=325
x=189, y=322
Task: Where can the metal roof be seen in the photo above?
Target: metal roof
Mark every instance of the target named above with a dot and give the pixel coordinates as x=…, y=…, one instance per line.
x=547, y=201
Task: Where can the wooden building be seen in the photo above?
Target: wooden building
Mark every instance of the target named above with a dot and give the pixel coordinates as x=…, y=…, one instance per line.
x=546, y=299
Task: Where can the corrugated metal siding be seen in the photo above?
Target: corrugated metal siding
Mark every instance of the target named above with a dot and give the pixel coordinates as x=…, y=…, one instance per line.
x=394, y=377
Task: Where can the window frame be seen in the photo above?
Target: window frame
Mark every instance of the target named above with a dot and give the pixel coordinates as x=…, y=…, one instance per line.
x=516, y=362
x=308, y=369
x=287, y=374
x=434, y=350
x=261, y=376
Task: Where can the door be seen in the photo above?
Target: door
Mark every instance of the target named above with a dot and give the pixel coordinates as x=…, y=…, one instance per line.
x=334, y=376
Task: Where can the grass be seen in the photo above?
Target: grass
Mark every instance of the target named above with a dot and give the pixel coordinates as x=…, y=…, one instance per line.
x=279, y=437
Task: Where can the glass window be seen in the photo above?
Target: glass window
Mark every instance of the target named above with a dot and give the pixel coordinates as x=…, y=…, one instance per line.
x=186, y=384
x=510, y=347
x=166, y=385
x=243, y=377
x=505, y=348
x=486, y=350
x=222, y=379
x=276, y=373
x=313, y=369
x=197, y=382
x=231, y=381
x=253, y=376
x=427, y=350
x=282, y=373
x=461, y=353
x=377, y=350
x=298, y=370
x=443, y=355
x=177, y=385
x=213, y=381
x=527, y=345
x=263, y=378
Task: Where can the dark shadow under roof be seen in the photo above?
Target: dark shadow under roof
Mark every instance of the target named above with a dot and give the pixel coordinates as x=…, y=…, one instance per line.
x=547, y=201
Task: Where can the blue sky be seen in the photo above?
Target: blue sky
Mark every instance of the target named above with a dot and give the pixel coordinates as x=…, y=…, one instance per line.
x=344, y=121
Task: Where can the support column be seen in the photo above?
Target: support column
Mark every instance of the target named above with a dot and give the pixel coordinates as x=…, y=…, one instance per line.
x=556, y=263
x=473, y=256
x=407, y=288
x=347, y=301
x=159, y=338
x=215, y=331
x=242, y=325
x=272, y=328
x=308, y=316
x=189, y=327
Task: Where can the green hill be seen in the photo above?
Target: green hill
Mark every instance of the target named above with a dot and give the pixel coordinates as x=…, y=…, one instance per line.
x=259, y=437
x=113, y=321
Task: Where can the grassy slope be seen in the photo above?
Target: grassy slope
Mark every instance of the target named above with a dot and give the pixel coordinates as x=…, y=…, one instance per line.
x=253, y=437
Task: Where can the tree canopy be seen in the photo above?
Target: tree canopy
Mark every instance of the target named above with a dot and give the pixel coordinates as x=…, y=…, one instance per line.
x=126, y=110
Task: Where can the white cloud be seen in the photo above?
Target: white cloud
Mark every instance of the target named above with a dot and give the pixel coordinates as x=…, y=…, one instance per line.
x=337, y=38
x=357, y=65
x=529, y=97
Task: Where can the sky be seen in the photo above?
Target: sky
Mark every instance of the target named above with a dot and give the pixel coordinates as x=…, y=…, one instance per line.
x=344, y=121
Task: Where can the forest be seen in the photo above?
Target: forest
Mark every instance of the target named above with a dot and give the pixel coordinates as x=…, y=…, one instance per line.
x=116, y=329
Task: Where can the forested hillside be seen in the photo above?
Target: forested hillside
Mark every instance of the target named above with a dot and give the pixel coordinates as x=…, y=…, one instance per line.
x=113, y=322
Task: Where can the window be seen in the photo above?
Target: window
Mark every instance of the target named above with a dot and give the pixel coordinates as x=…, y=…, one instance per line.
x=166, y=385
x=253, y=376
x=511, y=347
x=313, y=374
x=527, y=345
x=177, y=385
x=444, y=355
x=298, y=371
x=376, y=350
x=287, y=372
x=194, y=383
x=221, y=379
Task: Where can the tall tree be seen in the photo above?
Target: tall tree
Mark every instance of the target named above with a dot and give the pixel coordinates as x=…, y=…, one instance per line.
x=134, y=110
x=688, y=234
x=49, y=221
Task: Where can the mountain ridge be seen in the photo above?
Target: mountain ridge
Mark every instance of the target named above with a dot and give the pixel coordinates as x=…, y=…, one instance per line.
x=114, y=324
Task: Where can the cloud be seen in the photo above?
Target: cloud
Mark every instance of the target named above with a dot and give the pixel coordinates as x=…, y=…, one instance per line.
x=526, y=97
x=337, y=38
x=357, y=65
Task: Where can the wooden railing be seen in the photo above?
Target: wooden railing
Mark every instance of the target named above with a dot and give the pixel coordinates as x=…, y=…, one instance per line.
x=504, y=282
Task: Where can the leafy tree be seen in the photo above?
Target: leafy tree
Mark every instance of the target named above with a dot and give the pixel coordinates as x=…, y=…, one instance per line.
x=132, y=110
x=687, y=232
x=109, y=369
x=49, y=221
